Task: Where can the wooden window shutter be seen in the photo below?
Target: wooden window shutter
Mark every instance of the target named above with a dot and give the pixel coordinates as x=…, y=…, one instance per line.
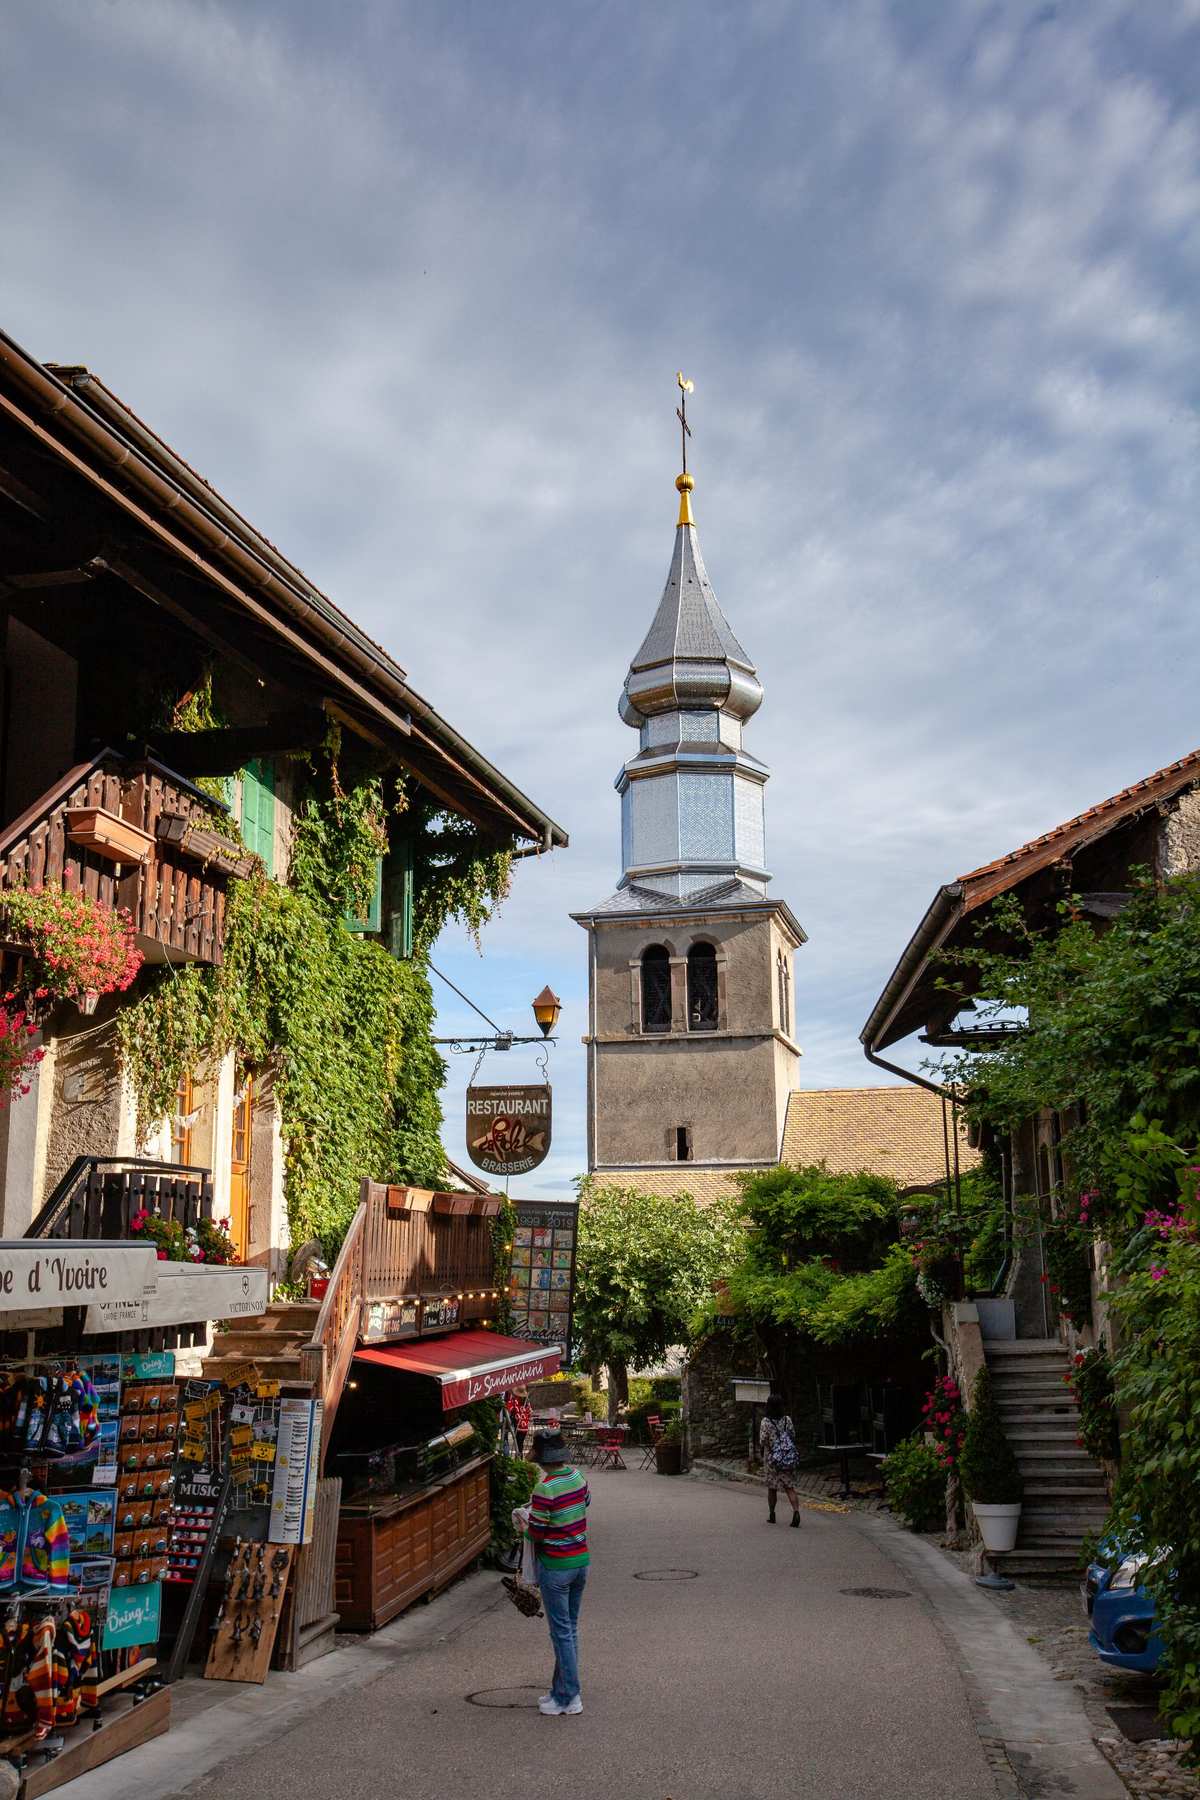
x=400, y=901
x=371, y=920
x=258, y=811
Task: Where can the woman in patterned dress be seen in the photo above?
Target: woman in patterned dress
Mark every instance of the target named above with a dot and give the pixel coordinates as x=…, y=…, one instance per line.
x=777, y=1442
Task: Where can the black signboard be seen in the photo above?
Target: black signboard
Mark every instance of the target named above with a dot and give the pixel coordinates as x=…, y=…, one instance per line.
x=542, y=1286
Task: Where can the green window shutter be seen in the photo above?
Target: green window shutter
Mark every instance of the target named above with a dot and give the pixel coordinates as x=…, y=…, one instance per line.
x=258, y=811
x=400, y=901
x=374, y=914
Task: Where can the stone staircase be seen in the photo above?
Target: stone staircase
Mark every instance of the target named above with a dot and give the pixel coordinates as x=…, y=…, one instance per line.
x=273, y=1343
x=1065, y=1496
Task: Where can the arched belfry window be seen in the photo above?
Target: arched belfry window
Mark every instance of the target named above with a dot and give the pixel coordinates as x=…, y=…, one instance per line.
x=702, y=988
x=656, y=989
x=785, y=996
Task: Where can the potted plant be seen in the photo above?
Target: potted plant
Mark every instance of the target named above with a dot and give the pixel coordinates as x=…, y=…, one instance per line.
x=668, y=1451
x=988, y=1470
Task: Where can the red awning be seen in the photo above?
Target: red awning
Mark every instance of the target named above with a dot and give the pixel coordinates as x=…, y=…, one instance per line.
x=470, y=1365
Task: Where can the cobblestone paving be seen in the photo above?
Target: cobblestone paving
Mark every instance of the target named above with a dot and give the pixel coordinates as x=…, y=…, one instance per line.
x=1053, y=1621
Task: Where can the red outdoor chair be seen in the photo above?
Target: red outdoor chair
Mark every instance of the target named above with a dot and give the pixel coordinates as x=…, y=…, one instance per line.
x=654, y=1426
x=608, y=1447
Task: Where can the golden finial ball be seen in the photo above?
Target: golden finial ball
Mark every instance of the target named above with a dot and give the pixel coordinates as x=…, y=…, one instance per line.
x=684, y=483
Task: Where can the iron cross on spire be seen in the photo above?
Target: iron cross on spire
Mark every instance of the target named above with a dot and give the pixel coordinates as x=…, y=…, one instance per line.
x=685, y=388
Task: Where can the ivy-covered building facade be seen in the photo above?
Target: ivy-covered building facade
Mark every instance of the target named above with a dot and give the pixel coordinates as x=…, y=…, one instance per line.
x=230, y=828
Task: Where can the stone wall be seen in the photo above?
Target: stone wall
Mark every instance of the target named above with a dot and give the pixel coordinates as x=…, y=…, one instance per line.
x=715, y=1423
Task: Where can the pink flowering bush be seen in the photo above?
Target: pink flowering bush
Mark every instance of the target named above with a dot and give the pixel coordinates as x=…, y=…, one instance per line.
x=18, y=1057
x=207, y=1242
x=946, y=1421
x=78, y=946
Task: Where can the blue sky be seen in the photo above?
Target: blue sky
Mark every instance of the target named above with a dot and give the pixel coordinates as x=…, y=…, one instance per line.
x=410, y=283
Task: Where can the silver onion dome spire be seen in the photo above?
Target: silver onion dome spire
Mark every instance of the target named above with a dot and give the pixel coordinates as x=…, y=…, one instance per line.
x=690, y=656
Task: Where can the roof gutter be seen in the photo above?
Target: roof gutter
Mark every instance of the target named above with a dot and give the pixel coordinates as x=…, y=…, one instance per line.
x=137, y=453
x=940, y=915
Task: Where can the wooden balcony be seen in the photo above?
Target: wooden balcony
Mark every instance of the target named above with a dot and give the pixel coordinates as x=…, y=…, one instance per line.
x=131, y=835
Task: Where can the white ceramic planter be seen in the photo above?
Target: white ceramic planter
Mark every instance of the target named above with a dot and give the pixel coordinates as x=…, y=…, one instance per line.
x=998, y=1525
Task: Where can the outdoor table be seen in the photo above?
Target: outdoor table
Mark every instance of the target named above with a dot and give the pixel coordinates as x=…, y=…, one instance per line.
x=844, y=1452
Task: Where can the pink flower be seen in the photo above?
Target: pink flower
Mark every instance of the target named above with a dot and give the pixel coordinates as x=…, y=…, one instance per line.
x=1157, y=1272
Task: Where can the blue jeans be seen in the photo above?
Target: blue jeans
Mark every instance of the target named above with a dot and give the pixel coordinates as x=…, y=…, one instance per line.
x=562, y=1591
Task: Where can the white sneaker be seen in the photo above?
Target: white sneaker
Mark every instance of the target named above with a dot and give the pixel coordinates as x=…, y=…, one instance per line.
x=554, y=1709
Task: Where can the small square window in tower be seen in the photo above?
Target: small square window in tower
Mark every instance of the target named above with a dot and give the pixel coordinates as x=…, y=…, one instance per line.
x=656, y=989
x=702, y=988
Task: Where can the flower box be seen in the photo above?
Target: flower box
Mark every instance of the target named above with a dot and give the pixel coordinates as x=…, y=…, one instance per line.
x=485, y=1206
x=106, y=833
x=191, y=838
x=456, y=1206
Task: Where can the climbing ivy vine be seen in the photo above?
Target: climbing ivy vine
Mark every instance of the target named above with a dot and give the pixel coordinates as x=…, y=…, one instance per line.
x=344, y=1029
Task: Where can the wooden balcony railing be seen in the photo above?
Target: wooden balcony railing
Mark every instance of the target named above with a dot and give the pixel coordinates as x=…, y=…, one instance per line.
x=131, y=835
x=98, y=1197
x=325, y=1360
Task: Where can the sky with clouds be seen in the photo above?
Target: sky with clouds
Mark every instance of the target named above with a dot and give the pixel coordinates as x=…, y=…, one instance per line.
x=410, y=284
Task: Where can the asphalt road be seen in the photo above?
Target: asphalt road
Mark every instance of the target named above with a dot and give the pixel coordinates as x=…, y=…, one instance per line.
x=758, y=1679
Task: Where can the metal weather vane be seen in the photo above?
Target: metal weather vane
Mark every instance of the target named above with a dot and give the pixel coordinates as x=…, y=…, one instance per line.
x=685, y=388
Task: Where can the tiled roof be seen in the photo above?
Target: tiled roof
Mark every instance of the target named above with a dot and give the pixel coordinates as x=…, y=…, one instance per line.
x=904, y=1003
x=704, y=1185
x=997, y=877
x=894, y=1131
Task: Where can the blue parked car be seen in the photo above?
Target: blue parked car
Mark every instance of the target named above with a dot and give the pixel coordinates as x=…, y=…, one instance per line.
x=1122, y=1613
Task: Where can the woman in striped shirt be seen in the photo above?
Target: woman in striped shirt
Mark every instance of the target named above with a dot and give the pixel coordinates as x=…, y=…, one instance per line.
x=558, y=1528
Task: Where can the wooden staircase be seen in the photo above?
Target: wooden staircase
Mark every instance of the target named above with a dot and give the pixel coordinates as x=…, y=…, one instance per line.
x=273, y=1343
x=1066, y=1498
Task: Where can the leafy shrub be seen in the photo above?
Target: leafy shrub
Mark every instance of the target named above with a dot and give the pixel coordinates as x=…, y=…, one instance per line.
x=636, y=1417
x=1091, y=1379
x=914, y=1478
x=988, y=1464
x=512, y=1482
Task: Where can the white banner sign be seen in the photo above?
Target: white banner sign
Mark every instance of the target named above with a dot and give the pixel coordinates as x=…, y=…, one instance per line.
x=297, y=1466
x=53, y=1273
x=176, y=1293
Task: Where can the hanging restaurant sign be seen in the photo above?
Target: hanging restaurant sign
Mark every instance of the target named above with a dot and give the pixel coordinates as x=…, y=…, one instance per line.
x=508, y=1128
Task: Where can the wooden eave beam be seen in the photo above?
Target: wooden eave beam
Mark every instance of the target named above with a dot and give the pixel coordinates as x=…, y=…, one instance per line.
x=225, y=750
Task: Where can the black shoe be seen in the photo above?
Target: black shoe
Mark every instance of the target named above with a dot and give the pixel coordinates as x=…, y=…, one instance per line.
x=795, y=1520
x=771, y=1516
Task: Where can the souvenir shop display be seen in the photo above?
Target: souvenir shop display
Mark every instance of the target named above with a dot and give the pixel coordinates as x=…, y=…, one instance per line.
x=86, y=1466
x=245, y=1624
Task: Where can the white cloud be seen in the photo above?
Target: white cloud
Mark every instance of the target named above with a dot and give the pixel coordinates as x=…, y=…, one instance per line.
x=414, y=298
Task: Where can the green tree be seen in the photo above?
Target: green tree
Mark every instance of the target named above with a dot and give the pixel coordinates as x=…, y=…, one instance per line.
x=646, y=1262
x=1112, y=1029
x=820, y=1254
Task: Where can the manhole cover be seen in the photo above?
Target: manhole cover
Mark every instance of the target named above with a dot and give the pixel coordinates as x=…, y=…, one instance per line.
x=666, y=1575
x=511, y=1696
x=878, y=1593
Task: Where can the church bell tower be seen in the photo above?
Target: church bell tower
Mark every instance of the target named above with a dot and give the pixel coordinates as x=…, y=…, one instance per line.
x=691, y=1046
